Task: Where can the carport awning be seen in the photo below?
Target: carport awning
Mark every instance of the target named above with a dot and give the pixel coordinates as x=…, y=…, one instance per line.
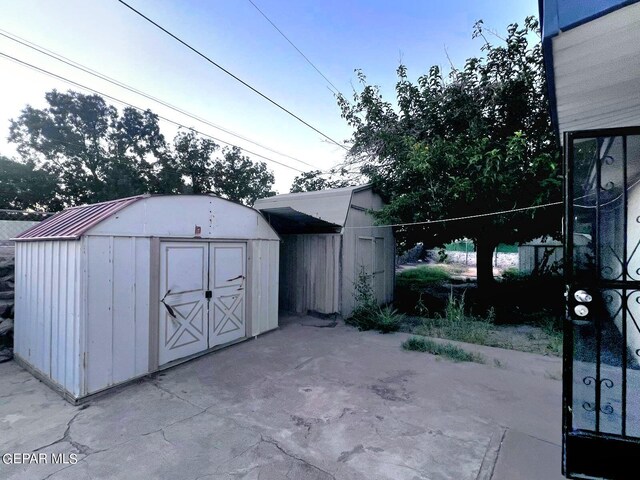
x=287, y=220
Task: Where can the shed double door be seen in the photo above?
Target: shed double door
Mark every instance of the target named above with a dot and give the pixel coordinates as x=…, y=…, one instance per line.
x=202, y=297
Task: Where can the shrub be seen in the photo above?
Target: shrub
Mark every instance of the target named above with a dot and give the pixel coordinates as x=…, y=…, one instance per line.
x=368, y=315
x=388, y=320
x=513, y=274
x=447, y=350
x=457, y=324
x=421, y=277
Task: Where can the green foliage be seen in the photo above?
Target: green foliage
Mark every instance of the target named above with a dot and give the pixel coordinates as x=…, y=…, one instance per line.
x=388, y=320
x=315, y=180
x=239, y=179
x=418, y=278
x=457, y=324
x=476, y=141
x=95, y=153
x=24, y=186
x=367, y=315
x=513, y=274
x=447, y=350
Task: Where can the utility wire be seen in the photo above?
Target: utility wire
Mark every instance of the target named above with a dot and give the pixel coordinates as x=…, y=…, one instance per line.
x=297, y=49
x=235, y=77
x=64, y=79
x=468, y=217
x=85, y=69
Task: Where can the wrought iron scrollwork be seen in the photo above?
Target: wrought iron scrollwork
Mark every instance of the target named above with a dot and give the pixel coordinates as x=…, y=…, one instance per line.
x=607, y=408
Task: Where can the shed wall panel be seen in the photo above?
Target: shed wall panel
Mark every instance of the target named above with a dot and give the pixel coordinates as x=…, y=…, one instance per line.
x=46, y=326
x=310, y=266
x=118, y=310
x=360, y=225
x=263, y=285
x=99, y=320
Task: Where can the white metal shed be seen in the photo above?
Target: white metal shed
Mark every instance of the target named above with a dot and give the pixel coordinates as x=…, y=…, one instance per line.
x=112, y=291
x=328, y=237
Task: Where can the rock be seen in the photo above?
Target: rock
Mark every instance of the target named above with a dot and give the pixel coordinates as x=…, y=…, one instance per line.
x=6, y=326
x=6, y=308
x=6, y=268
x=6, y=354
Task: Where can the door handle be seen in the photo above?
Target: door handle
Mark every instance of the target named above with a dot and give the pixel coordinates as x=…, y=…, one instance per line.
x=235, y=278
x=168, y=307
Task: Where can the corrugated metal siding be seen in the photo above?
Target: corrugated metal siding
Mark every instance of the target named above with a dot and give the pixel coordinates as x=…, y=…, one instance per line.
x=329, y=205
x=263, y=279
x=48, y=310
x=117, y=310
x=73, y=222
x=310, y=273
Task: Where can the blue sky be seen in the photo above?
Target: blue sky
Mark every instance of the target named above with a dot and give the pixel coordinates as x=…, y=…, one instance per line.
x=338, y=37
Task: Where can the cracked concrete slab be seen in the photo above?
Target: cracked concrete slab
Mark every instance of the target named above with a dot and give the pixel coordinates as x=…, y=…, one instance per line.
x=298, y=403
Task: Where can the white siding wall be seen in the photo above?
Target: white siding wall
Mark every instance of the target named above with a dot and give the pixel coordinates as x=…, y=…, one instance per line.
x=596, y=72
x=263, y=284
x=48, y=310
x=117, y=310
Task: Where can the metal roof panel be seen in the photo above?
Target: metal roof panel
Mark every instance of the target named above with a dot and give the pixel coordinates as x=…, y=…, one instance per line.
x=71, y=223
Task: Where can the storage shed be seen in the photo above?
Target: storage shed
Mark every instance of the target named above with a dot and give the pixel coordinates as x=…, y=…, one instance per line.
x=113, y=291
x=328, y=238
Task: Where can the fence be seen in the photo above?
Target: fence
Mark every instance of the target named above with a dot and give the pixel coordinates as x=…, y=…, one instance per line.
x=532, y=254
x=14, y=222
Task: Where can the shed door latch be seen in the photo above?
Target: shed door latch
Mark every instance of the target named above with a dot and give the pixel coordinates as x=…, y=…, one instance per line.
x=208, y=294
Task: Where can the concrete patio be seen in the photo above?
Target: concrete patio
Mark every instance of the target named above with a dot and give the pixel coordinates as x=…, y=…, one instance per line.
x=312, y=400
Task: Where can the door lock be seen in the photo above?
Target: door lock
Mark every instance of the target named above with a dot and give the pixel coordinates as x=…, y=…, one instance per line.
x=208, y=294
x=581, y=310
x=582, y=296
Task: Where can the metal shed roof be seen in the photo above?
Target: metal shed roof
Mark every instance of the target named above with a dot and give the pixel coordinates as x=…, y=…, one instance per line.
x=330, y=206
x=72, y=222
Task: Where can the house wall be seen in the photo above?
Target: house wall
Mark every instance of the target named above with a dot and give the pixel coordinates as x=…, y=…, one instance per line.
x=48, y=331
x=595, y=71
x=366, y=246
x=310, y=273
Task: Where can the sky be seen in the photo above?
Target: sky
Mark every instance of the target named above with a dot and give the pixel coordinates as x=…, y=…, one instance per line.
x=337, y=36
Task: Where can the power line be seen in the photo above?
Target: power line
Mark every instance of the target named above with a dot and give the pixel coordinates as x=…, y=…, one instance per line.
x=64, y=79
x=235, y=77
x=468, y=217
x=85, y=69
x=294, y=46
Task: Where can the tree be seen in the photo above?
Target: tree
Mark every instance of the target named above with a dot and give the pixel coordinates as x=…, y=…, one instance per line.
x=193, y=158
x=95, y=153
x=313, y=181
x=237, y=178
x=22, y=187
x=476, y=142
x=84, y=151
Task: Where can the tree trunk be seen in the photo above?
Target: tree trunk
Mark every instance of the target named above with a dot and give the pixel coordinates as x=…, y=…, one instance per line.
x=484, y=263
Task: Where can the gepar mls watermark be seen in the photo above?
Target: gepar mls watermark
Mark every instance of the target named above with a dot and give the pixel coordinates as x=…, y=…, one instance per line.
x=33, y=458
